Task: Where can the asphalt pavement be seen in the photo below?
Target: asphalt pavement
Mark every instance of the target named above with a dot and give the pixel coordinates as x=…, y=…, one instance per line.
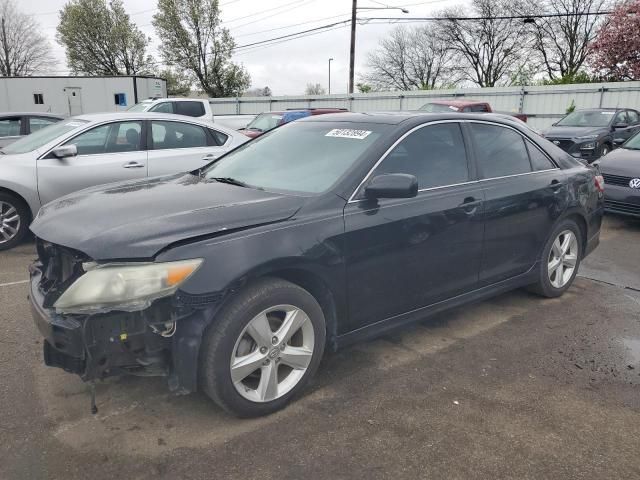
x=514, y=387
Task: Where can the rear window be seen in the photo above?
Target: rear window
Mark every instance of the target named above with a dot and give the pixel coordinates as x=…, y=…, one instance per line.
x=190, y=109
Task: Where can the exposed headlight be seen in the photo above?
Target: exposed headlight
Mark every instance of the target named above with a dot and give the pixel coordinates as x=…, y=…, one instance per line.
x=125, y=286
x=588, y=146
x=587, y=137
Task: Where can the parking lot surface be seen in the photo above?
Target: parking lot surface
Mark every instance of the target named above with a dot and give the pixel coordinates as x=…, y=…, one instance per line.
x=514, y=387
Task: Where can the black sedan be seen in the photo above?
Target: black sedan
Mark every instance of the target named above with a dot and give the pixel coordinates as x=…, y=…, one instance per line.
x=233, y=279
x=621, y=172
x=593, y=133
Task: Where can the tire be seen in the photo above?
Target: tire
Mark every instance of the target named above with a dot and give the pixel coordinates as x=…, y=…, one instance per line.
x=14, y=221
x=231, y=336
x=605, y=148
x=555, y=284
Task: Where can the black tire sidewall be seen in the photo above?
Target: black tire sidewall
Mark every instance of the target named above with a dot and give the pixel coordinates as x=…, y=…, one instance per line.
x=23, y=212
x=544, y=282
x=221, y=337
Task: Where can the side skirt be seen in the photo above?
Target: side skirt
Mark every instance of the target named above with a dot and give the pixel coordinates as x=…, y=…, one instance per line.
x=420, y=314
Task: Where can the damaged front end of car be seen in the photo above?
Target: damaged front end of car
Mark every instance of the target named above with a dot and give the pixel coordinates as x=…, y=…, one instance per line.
x=100, y=320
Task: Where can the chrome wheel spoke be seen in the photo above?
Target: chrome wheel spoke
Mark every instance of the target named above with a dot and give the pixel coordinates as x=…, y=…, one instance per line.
x=296, y=357
x=566, y=243
x=10, y=211
x=554, y=264
x=260, y=330
x=293, y=321
x=5, y=235
x=15, y=218
x=268, y=386
x=557, y=248
x=570, y=260
x=246, y=365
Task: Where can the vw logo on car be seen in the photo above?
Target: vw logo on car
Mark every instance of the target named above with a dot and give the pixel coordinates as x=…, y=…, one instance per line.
x=635, y=183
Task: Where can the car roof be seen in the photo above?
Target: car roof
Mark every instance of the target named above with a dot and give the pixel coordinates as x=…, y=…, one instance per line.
x=30, y=114
x=114, y=116
x=413, y=116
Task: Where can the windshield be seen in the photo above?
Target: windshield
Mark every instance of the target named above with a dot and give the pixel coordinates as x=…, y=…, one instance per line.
x=265, y=122
x=587, y=118
x=438, y=108
x=633, y=143
x=139, y=107
x=306, y=157
x=43, y=136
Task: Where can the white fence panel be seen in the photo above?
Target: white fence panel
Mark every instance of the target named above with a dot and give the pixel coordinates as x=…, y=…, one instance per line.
x=543, y=105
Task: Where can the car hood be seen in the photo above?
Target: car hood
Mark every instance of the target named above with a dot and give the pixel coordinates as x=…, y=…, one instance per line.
x=622, y=162
x=137, y=219
x=572, y=132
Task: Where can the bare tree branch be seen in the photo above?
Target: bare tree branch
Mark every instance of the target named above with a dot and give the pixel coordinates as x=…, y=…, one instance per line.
x=23, y=49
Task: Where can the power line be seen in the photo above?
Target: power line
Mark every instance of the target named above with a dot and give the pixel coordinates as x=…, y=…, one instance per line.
x=498, y=17
x=289, y=26
x=322, y=27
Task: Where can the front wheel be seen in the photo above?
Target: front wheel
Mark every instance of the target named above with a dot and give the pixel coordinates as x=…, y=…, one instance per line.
x=560, y=260
x=262, y=348
x=604, y=149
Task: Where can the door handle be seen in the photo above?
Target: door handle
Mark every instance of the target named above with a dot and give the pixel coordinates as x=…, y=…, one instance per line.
x=470, y=205
x=133, y=165
x=555, y=185
x=210, y=156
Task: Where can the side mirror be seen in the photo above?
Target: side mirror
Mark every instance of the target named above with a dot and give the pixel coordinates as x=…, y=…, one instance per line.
x=392, y=185
x=65, y=151
x=619, y=126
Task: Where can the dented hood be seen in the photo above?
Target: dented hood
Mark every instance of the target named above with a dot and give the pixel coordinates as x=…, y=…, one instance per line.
x=135, y=220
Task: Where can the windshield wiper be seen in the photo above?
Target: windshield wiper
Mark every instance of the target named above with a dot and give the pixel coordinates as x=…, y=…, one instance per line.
x=230, y=181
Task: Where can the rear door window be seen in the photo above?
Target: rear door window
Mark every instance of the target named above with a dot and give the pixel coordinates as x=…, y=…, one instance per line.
x=434, y=154
x=539, y=161
x=10, y=127
x=500, y=151
x=219, y=138
x=168, y=135
x=190, y=109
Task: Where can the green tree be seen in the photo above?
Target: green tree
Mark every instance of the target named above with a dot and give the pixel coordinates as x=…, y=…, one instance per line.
x=364, y=87
x=178, y=83
x=192, y=39
x=100, y=39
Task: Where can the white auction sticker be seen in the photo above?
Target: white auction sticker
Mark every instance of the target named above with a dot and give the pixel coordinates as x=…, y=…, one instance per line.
x=348, y=133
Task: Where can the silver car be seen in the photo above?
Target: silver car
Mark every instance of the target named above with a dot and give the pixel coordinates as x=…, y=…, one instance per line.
x=90, y=150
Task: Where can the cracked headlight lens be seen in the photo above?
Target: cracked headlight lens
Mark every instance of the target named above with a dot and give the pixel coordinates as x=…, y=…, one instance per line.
x=124, y=286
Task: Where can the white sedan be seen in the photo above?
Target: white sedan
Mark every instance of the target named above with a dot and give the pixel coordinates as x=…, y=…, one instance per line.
x=90, y=150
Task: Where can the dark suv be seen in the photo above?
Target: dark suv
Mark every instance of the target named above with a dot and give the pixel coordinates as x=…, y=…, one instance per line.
x=592, y=133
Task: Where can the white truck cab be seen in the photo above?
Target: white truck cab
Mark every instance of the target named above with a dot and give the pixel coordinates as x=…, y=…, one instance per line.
x=191, y=107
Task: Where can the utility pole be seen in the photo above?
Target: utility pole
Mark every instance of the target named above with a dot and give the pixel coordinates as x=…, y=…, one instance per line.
x=352, y=52
x=330, y=75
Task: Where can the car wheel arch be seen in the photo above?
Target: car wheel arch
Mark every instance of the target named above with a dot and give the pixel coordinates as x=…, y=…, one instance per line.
x=303, y=275
x=580, y=220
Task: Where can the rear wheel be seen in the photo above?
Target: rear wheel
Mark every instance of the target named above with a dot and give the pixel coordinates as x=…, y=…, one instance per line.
x=262, y=348
x=14, y=221
x=560, y=260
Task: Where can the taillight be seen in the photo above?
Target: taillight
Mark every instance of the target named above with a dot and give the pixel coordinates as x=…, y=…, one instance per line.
x=599, y=182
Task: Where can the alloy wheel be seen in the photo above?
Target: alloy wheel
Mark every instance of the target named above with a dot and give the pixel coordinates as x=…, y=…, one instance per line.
x=563, y=259
x=272, y=353
x=9, y=222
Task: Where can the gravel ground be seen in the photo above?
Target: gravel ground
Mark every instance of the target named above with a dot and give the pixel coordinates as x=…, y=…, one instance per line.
x=515, y=387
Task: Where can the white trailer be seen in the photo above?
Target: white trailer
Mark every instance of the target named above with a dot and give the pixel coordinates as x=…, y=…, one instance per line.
x=77, y=95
